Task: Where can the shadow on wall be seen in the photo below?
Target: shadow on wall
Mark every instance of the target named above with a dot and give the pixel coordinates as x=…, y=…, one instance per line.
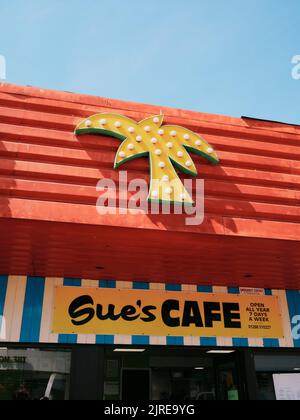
x=260, y=123
x=7, y=187
x=220, y=210
x=7, y=181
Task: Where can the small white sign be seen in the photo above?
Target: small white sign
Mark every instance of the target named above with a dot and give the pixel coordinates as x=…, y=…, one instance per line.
x=287, y=386
x=252, y=291
x=111, y=388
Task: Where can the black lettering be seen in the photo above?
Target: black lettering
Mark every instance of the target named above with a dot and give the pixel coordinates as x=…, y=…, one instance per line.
x=192, y=315
x=76, y=312
x=210, y=309
x=232, y=315
x=110, y=313
x=147, y=310
x=167, y=307
x=128, y=313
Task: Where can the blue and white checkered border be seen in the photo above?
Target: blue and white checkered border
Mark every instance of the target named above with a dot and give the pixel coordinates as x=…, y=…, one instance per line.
x=26, y=305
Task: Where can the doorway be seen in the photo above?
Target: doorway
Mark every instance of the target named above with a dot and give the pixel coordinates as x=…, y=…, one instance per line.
x=135, y=384
x=227, y=378
x=174, y=374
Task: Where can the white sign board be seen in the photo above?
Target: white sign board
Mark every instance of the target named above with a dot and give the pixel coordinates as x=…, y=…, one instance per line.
x=287, y=386
x=252, y=291
x=111, y=388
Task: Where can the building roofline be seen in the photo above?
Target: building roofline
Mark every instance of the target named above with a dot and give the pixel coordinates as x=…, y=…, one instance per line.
x=151, y=109
x=244, y=117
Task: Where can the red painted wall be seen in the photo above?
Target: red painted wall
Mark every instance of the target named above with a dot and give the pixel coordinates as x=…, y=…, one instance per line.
x=47, y=174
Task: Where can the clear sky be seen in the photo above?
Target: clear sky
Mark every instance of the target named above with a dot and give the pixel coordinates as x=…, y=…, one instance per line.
x=230, y=57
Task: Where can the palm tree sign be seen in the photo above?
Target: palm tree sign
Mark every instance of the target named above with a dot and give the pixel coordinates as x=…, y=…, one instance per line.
x=167, y=147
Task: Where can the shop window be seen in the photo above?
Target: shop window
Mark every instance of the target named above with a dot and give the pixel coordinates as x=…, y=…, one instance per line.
x=278, y=376
x=182, y=384
x=176, y=374
x=34, y=374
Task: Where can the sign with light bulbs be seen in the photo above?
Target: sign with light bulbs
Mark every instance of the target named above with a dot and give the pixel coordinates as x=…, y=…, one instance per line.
x=168, y=148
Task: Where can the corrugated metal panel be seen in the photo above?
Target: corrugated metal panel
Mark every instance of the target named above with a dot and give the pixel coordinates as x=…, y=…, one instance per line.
x=43, y=160
x=48, y=174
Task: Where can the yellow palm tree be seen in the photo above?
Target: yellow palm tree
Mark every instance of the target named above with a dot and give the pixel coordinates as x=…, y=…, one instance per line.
x=167, y=146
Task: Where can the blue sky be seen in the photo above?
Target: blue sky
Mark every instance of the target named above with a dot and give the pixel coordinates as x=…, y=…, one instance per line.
x=228, y=57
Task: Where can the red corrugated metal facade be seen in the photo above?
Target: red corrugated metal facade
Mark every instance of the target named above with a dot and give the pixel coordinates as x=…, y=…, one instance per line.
x=48, y=221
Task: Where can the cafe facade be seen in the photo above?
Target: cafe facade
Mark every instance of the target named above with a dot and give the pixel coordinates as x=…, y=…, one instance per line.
x=110, y=292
